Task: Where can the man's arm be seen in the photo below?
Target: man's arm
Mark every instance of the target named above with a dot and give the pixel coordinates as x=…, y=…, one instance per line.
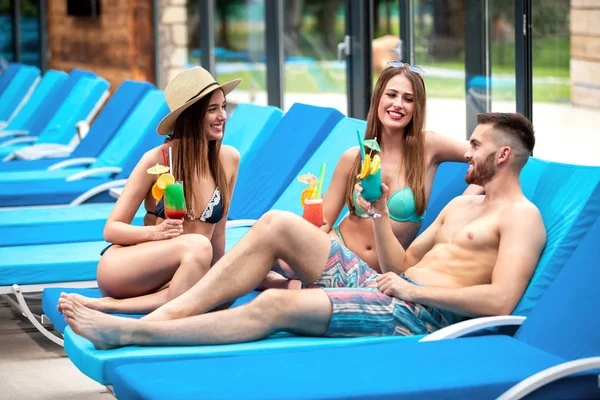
x=522, y=239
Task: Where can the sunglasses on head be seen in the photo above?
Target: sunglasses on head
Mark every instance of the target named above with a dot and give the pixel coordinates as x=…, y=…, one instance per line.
x=400, y=64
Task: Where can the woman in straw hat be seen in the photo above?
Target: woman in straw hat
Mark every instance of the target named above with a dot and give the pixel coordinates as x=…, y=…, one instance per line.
x=147, y=266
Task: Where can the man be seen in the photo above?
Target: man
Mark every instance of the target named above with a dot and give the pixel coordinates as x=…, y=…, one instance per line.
x=475, y=259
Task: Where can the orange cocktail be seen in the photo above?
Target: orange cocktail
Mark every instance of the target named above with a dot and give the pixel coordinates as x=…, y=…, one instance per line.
x=313, y=211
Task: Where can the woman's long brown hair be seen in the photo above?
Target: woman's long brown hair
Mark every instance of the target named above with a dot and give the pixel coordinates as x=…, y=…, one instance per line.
x=194, y=156
x=414, y=139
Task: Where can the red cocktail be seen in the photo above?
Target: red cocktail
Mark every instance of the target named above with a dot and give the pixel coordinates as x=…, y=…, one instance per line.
x=313, y=211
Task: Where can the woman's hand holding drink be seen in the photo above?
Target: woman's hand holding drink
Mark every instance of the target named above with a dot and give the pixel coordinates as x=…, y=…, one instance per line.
x=168, y=229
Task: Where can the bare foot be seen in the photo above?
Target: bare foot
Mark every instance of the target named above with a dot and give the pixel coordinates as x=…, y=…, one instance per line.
x=103, y=330
x=104, y=304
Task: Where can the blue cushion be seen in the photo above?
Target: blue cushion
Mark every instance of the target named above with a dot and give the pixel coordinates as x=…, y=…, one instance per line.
x=564, y=321
x=448, y=183
x=569, y=202
x=19, y=86
x=475, y=368
x=26, y=265
x=8, y=74
x=47, y=225
x=276, y=163
x=251, y=125
x=35, y=109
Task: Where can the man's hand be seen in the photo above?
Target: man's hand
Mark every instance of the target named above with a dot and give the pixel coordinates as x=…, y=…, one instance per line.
x=392, y=285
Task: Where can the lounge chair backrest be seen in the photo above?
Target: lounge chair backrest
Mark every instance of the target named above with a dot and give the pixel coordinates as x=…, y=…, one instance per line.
x=76, y=107
x=50, y=84
x=52, y=103
x=250, y=124
x=142, y=135
x=341, y=138
x=8, y=74
x=16, y=90
x=118, y=108
x=566, y=197
x=448, y=183
x=566, y=320
x=268, y=169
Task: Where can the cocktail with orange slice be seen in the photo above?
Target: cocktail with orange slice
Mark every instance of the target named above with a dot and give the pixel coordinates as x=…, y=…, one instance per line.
x=370, y=176
x=313, y=207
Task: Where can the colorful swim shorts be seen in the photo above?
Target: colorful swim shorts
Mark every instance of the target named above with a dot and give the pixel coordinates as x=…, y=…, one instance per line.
x=362, y=310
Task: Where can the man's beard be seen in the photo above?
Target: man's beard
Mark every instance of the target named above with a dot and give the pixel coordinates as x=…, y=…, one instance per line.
x=482, y=174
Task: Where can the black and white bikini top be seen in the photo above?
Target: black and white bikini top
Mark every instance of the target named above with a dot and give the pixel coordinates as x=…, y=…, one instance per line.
x=213, y=212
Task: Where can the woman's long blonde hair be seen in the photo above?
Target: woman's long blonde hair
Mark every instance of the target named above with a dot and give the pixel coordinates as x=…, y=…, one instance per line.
x=414, y=139
x=195, y=156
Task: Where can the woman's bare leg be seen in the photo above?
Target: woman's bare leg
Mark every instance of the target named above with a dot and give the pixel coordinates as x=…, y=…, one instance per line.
x=303, y=312
x=130, y=276
x=278, y=234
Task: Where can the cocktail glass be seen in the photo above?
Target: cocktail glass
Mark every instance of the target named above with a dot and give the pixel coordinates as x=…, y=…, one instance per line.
x=313, y=211
x=371, y=186
x=175, y=207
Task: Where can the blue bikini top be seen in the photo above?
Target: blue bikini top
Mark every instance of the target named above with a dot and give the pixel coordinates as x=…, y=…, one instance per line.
x=401, y=206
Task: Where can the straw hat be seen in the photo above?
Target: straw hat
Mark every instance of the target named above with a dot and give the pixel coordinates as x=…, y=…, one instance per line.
x=186, y=89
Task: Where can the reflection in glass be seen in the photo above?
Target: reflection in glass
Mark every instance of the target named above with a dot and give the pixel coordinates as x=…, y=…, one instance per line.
x=566, y=83
x=312, y=72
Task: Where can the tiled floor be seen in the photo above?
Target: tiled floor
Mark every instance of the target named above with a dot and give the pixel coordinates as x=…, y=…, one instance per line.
x=32, y=367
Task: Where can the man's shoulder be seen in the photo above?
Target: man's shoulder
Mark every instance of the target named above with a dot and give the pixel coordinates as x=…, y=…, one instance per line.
x=523, y=213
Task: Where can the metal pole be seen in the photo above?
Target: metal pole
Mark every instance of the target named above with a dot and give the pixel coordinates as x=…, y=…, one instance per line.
x=274, y=49
x=15, y=11
x=207, y=35
x=407, y=30
x=359, y=80
x=523, y=59
x=158, y=78
x=43, y=34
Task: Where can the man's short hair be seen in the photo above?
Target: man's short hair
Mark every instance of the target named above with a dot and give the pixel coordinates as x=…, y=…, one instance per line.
x=517, y=131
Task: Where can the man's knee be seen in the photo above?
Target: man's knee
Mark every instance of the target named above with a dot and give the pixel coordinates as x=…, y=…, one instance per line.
x=195, y=247
x=277, y=221
x=272, y=305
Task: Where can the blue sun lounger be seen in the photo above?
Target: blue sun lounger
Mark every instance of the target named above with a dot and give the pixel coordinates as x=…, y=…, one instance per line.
x=84, y=223
x=135, y=137
x=555, y=354
x=44, y=103
x=101, y=132
x=568, y=211
x=17, y=92
x=8, y=74
x=82, y=104
x=276, y=163
x=26, y=117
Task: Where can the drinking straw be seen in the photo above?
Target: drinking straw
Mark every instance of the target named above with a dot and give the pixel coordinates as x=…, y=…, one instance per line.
x=321, y=178
x=360, y=142
x=164, y=157
x=170, y=160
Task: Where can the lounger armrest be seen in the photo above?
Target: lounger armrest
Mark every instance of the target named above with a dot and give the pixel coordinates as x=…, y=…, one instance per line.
x=97, y=190
x=473, y=325
x=11, y=132
x=73, y=162
x=549, y=375
x=82, y=129
x=116, y=192
x=236, y=223
x=24, y=139
x=45, y=150
x=93, y=172
x=3, y=125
